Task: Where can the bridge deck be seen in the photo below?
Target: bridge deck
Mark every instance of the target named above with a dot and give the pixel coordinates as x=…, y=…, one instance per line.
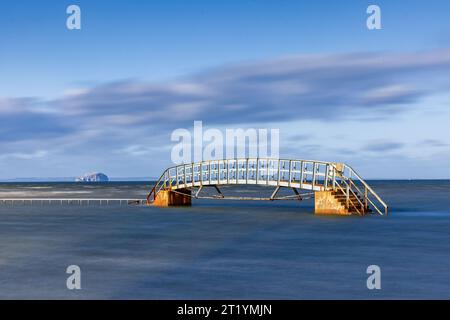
x=281, y=183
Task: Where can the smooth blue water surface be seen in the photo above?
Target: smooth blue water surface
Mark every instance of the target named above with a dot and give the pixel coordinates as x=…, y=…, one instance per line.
x=219, y=250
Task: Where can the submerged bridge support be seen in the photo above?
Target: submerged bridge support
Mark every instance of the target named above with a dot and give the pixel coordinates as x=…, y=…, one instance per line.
x=336, y=187
x=169, y=198
x=325, y=202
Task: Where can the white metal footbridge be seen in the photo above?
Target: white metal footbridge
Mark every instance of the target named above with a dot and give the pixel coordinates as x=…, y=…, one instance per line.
x=343, y=181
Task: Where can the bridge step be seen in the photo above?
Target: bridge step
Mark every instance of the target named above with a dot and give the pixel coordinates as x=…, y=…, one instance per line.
x=335, y=202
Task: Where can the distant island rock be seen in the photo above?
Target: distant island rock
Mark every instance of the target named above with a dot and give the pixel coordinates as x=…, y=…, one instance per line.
x=93, y=177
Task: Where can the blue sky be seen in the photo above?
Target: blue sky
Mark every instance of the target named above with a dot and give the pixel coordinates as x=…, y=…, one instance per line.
x=103, y=98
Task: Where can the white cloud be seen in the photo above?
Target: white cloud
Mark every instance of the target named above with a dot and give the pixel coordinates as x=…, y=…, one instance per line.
x=25, y=156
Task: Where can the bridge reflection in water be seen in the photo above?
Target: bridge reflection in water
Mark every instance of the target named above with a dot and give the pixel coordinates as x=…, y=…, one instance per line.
x=337, y=188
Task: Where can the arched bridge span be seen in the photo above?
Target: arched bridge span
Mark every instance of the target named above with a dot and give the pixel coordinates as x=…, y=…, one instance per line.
x=339, y=181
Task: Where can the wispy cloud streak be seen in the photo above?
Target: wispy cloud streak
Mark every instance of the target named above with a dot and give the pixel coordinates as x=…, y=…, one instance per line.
x=120, y=116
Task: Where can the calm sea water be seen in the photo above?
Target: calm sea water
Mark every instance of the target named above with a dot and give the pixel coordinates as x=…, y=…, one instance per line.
x=219, y=250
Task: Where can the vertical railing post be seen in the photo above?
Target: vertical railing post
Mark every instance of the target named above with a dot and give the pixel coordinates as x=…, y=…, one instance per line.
x=365, y=199
x=290, y=172
x=301, y=174
x=279, y=171
x=246, y=173
x=257, y=170
x=209, y=171
x=218, y=172
x=201, y=173
x=325, y=185
x=166, y=179
x=228, y=171
x=314, y=175
x=334, y=178
x=347, y=196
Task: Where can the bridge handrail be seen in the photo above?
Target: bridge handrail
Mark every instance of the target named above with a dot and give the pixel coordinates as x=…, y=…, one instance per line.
x=154, y=190
x=368, y=189
x=367, y=186
x=346, y=192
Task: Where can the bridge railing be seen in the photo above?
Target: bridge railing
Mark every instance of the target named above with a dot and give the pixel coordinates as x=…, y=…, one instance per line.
x=303, y=174
x=351, y=183
x=264, y=171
